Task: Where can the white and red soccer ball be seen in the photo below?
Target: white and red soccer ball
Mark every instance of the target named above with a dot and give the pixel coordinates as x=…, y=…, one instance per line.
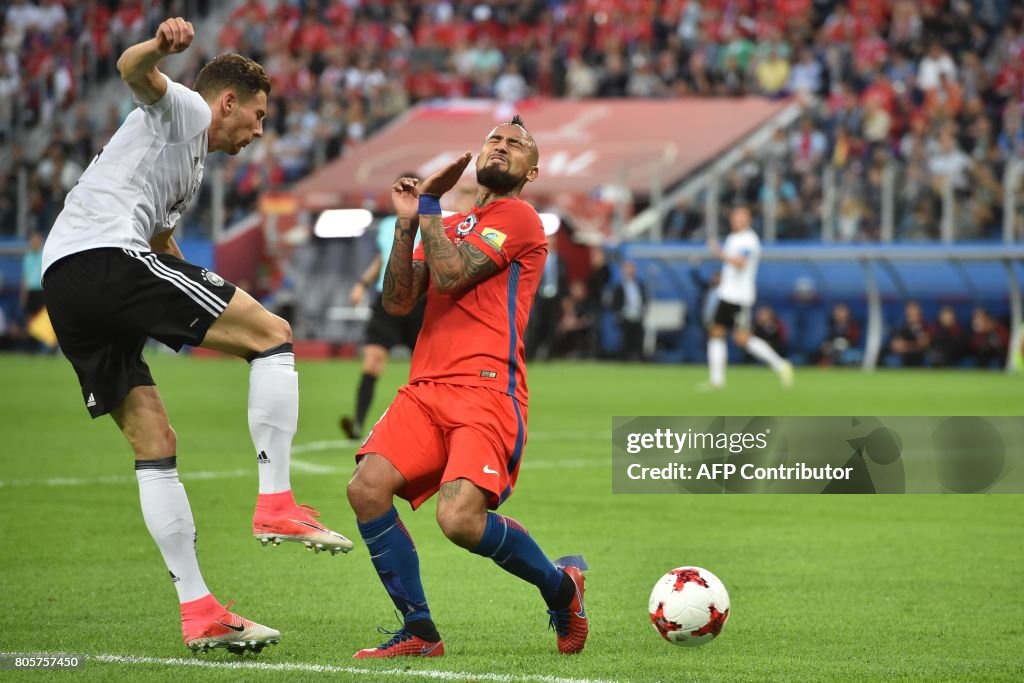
x=689, y=606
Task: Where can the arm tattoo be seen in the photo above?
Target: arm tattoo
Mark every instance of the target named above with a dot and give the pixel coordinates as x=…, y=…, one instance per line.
x=404, y=278
x=450, y=491
x=453, y=269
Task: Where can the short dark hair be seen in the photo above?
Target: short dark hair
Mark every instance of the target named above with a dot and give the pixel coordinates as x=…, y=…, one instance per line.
x=517, y=120
x=232, y=71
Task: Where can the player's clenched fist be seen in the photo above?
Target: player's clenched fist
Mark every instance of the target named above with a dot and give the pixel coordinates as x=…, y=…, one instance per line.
x=174, y=36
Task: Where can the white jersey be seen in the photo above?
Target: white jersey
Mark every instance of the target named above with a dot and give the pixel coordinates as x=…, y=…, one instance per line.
x=140, y=182
x=739, y=285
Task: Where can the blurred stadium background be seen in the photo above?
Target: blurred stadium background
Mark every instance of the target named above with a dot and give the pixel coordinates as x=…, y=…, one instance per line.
x=880, y=141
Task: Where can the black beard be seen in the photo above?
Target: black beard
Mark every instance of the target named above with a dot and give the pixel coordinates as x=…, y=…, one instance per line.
x=496, y=180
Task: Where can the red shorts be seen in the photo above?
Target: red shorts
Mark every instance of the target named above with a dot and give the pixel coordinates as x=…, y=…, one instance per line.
x=435, y=433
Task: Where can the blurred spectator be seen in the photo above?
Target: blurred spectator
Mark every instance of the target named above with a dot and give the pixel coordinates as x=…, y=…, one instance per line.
x=542, y=332
x=805, y=78
x=629, y=301
x=10, y=83
x=8, y=203
x=807, y=146
x=935, y=64
x=31, y=295
x=841, y=340
x=597, y=284
x=989, y=339
x=947, y=343
x=681, y=221
x=58, y=171
x=510, y=86
x=910, y=341
x=11, y=334
x=581, y=80
x=575, y=325
x=768, y=327
x=950, y=163
x=773, y=74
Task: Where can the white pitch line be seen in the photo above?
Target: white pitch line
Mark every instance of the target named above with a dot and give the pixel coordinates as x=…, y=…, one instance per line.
x=316, y=468
x=121, y=478
x=432, y=674
x=531, y=436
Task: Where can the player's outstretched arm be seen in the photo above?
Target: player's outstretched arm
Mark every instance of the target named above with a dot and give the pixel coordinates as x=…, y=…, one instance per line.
x=137, y=64
x=405, y=279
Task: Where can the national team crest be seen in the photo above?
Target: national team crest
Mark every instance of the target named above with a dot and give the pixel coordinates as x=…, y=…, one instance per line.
x=466, y=226
x=213, y=278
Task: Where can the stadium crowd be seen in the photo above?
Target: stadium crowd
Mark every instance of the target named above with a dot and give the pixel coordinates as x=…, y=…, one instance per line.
x=931, y=89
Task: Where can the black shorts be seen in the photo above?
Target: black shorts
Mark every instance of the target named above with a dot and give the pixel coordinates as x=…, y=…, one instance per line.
x=389, y=330
x=732, y=316
x=104, y=303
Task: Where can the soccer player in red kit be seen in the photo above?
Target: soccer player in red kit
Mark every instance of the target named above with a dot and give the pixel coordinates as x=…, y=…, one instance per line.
x=459, y=426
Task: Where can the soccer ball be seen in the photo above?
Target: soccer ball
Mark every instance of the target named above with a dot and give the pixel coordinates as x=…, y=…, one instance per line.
x=689, y=606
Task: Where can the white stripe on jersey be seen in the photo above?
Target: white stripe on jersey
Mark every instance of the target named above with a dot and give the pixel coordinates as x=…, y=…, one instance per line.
x=188, y=287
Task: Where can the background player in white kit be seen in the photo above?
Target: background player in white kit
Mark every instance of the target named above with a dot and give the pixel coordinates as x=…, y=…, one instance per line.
x=737, y=293
x=114, y=276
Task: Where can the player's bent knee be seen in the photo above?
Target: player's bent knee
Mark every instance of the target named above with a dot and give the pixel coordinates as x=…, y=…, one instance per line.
x=281, y=331
x=170, y=445
x=369, y=496
x=152, y=444
x=461, y=526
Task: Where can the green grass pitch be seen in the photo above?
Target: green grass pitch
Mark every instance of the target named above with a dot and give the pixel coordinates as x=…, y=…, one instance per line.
x=823, y=588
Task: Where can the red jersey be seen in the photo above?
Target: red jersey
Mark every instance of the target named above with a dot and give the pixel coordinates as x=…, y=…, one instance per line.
x=475, y=338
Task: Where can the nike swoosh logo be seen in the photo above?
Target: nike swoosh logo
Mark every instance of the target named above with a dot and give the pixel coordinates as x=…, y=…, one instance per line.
x=424, y=651
x=582, y=614
x=233, y=628
x=311, y=526
x=488, y=470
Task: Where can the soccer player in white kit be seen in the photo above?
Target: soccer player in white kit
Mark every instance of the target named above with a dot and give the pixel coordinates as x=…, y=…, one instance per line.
x=113, y=276
x=737, y=292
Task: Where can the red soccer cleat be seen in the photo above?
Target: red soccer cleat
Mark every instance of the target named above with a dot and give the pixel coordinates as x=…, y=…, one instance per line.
x=402, y=644
x=274, y=523
x=208, y=625
x=570, y=624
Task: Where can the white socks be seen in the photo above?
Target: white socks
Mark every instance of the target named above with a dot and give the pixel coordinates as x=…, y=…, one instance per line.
x=717, y=356
x=759, y=348
x=169, y=520
x=273, y=417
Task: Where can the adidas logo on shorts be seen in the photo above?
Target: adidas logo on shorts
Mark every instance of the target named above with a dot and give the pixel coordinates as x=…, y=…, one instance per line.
x=91, y=402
